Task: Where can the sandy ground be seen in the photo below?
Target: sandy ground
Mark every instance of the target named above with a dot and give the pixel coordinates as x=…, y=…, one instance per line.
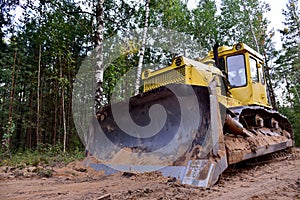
x=277, y=178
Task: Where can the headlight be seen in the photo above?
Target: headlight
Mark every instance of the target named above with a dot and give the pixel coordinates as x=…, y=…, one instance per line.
x=178, y=61
x=238, y=47
x=146, y=74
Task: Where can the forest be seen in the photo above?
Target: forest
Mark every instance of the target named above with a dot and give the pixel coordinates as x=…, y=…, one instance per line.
x=44, y=43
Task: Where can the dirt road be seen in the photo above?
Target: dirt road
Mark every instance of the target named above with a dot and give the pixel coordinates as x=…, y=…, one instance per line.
x=274, y=179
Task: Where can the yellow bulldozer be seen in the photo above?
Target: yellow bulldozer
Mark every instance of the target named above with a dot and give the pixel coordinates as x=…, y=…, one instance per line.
x=192, y=120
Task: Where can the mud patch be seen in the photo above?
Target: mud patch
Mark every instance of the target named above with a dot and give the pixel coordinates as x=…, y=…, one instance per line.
x=277, y=179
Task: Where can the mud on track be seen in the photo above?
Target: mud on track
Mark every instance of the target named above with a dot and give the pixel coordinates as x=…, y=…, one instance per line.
x=273, y=179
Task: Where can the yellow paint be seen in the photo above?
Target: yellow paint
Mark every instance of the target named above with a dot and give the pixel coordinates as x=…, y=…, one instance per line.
x=191, y=72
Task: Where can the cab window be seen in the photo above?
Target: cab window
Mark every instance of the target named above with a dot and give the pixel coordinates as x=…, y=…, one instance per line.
x=261, y=74
x=253, y=70
x=236, y=70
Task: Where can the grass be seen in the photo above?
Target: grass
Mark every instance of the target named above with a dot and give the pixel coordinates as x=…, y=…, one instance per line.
x=46, y=155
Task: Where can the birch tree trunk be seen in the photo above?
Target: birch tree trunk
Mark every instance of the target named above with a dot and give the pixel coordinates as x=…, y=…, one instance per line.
x=142, y=49
x=99, y=71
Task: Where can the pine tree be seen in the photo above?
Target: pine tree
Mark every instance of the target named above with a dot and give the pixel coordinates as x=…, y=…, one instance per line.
x=288, y=65
x=288, y=68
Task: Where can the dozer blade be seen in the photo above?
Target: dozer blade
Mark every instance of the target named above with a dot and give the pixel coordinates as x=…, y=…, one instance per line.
x=175, y=129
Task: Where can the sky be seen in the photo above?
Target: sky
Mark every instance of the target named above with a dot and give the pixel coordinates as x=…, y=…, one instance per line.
x=274, y=16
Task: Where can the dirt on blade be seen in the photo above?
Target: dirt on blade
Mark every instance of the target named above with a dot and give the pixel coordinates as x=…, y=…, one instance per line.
x=277, y=178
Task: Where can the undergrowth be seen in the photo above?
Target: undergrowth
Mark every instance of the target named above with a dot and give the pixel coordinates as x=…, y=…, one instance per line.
x=44, y=155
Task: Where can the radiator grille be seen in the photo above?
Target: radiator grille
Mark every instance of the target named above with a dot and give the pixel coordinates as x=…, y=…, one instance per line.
x=172, y=76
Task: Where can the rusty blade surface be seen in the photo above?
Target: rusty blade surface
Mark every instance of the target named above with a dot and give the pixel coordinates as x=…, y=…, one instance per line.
x=182, y=130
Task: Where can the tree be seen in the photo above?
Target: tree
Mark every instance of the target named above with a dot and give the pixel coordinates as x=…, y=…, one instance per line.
x=204, y=25
x=99, y=54
x=269, y=53
x=287, y=70
x=48, y=51
x=142, y=49
x=243, y=21
x=5, y=19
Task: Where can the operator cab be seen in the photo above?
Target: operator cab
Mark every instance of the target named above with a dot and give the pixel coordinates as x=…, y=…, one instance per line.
x=243, y=69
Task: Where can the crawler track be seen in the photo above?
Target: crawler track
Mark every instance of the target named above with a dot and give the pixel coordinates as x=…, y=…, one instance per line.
x=267, y=131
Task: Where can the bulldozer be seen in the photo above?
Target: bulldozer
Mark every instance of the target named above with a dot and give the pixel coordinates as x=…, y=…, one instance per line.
x=193, y=119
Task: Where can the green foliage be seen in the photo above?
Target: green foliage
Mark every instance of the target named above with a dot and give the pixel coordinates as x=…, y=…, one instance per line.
x=116, y=80
x=62, y=32
x=170, y=14
x=65, y=33
x=243, y=21
x=46, y=155
x=119, y=15
x=206, y=31
x=47, y=173
x=293, y=114
x=287, y=69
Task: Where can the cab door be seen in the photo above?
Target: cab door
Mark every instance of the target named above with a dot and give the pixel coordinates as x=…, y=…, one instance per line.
x=236, y=66
x=258, y=82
